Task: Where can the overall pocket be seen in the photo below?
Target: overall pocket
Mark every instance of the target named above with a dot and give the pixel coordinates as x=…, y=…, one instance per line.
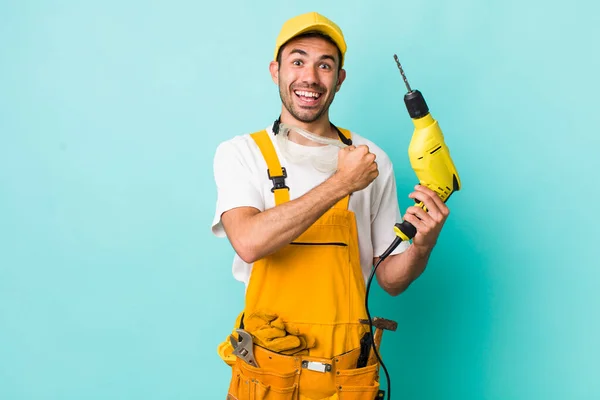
x=251, y=383
x=357, y=383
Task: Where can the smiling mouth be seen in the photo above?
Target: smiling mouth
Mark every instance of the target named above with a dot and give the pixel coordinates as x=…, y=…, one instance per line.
x=306, y=96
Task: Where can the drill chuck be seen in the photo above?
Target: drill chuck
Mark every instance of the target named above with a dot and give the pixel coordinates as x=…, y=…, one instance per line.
x=415, y=104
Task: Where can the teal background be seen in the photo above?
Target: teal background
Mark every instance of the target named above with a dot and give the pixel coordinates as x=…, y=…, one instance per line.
x=111, y=284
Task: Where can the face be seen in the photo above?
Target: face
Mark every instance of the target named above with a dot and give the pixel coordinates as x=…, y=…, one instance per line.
x=308, y=78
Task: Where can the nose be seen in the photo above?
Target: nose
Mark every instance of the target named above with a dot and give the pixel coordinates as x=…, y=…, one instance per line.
x=311, y=75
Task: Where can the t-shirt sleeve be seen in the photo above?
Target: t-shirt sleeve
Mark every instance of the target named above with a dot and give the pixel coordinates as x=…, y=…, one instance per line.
x=385, y=212
x=236, y=187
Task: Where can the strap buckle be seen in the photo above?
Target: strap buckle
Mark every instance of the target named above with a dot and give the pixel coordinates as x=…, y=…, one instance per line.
x=278, y=180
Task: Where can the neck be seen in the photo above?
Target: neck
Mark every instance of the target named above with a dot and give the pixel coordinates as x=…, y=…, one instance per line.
x=321, y=127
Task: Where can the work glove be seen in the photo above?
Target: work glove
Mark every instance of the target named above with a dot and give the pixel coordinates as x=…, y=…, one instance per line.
x=225, y=349
x=269, y=331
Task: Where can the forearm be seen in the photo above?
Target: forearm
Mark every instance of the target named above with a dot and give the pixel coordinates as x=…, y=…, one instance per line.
x=268, y=231
x=397, y=272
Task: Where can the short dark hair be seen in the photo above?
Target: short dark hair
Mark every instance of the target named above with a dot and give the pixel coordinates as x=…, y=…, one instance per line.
x=312, y=34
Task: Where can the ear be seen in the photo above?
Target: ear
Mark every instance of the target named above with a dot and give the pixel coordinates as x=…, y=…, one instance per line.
x=274, y=70
x=341, y=78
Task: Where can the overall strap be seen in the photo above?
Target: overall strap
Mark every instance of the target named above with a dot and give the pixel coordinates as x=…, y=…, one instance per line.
x=347, y=135
x=343, y=203
x=275, y=171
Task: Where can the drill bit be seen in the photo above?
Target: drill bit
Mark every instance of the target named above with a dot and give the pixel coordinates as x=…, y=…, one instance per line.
x=402, y=73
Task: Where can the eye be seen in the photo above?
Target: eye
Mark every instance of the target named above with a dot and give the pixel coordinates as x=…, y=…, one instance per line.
x=325, y=66
x=297, y=62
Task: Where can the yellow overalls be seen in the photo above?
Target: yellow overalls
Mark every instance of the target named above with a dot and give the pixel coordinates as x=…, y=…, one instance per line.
x=316, y=287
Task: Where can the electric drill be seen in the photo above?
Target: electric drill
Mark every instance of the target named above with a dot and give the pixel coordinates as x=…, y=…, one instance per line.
x=430, y=159
x=428, y=154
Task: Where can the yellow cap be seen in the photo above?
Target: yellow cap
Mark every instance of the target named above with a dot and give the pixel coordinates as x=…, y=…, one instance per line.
x=311, y=21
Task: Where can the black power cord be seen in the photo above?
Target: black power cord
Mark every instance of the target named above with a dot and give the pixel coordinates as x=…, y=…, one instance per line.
x=385, y=254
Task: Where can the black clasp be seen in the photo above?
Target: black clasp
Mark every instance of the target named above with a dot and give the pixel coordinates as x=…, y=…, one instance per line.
x=278, y=181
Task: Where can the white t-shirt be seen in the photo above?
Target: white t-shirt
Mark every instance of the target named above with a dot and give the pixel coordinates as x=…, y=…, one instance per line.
x=240, y=173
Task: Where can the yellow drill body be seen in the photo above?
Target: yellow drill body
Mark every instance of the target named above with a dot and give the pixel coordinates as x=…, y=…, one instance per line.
x=430, y=158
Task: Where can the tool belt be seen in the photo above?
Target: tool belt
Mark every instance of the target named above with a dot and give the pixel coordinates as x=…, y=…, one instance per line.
x=282, y=377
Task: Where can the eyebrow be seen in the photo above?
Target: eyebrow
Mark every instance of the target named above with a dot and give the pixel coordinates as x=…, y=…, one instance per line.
x=303, y=53
x=298, y=51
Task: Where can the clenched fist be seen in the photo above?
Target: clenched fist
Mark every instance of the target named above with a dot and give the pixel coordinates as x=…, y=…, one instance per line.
x=356, y=167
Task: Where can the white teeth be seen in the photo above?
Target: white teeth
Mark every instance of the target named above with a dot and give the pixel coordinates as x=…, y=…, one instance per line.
x=307, y=94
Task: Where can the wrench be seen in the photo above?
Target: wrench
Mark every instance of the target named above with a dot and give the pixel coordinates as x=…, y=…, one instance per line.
x=242, y=348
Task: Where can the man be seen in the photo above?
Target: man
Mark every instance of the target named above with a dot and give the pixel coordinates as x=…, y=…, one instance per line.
x=308, y=208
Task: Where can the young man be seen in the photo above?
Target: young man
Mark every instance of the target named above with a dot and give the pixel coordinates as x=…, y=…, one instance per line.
x=308, y=208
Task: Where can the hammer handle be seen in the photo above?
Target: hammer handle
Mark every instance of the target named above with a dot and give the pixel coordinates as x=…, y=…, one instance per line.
x=377, y=339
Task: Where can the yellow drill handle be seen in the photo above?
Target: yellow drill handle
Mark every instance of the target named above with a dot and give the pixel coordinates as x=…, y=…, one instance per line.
x=430, y=159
